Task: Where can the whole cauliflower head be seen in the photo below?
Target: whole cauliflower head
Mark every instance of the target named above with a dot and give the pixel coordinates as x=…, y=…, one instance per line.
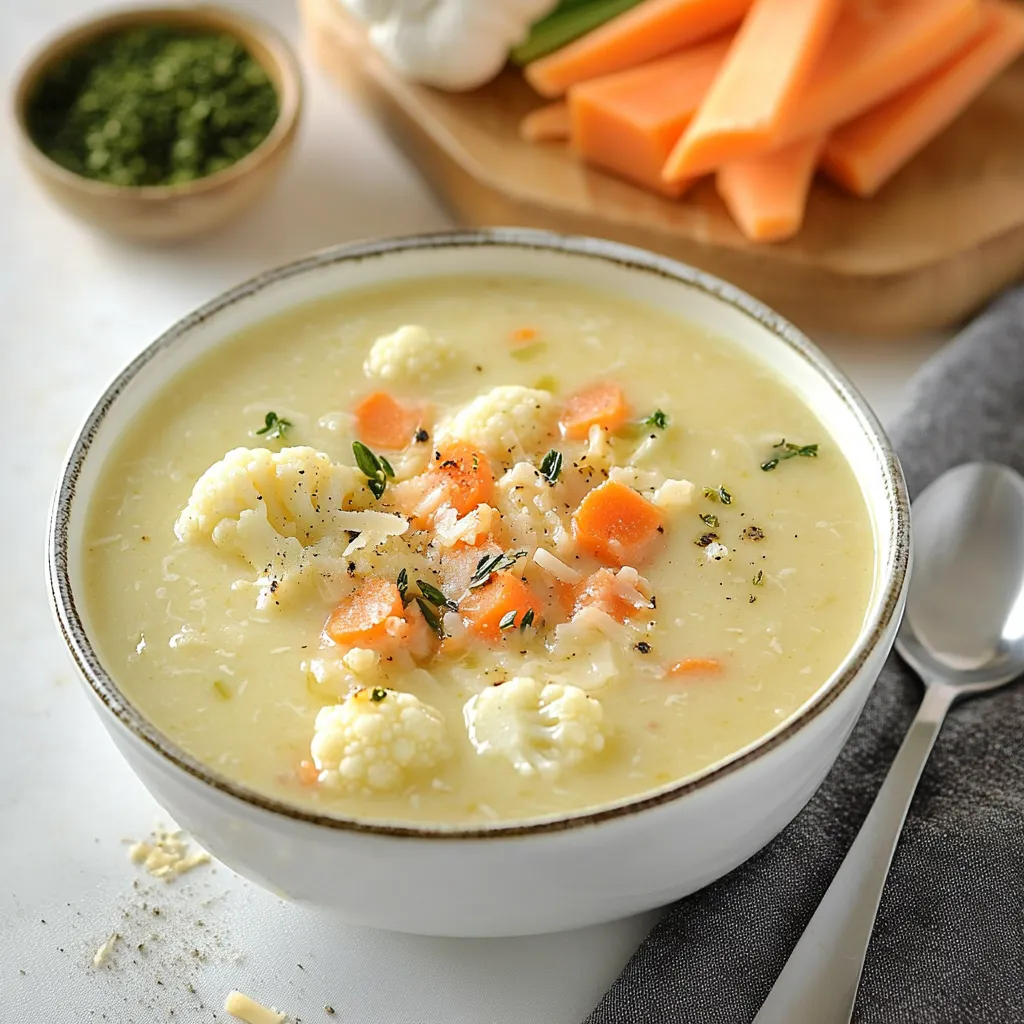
x=540, y=728
x=285, y=514
x=410, y=353
x=507, y=422
x=377, y=740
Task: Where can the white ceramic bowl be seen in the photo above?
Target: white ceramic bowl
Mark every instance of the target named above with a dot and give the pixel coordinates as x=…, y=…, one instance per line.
x=548, y=874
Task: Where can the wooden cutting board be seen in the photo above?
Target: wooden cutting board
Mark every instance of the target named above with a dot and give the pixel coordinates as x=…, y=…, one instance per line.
x=941, y=238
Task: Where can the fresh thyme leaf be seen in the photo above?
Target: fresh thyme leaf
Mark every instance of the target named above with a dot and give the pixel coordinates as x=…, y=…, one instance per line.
x=377, y=694
x=493, y=563
x=758, y=580
x=551, y=466
x=403, y=585
x=508, y=620
x=708, y=519
x=432, y=616
x=273, y=427
x=789, y=451
x=718, y=494
x=435, y=597
x=527, y=620
x=657, y=419
x=376, y=470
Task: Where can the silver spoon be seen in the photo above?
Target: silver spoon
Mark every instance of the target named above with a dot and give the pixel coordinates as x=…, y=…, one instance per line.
x=963, y=633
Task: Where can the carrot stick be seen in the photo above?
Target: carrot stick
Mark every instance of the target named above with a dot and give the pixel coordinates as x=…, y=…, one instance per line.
x=864, y=154
x=651, y=29
x=695, y=666
x=767, y=195
x=870, y=56
x=549, y=123
x=628, y=122
x=774, y=53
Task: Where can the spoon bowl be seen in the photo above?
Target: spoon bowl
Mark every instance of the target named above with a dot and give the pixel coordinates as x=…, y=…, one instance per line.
x=963, y=633
x=964, y=620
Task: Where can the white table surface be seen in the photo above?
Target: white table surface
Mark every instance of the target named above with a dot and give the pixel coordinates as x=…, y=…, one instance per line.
x=74, y=307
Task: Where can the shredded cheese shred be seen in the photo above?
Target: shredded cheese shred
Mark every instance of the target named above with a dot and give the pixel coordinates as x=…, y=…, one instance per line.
x=248, y=1010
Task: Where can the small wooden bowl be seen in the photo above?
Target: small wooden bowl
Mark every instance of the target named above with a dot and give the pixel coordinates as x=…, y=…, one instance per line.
x=168, y=212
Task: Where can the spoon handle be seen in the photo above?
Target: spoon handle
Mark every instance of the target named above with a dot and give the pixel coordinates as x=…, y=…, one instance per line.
x=819, y=983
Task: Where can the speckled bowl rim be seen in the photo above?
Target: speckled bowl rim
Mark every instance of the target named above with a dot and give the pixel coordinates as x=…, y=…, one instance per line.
x=884, y=606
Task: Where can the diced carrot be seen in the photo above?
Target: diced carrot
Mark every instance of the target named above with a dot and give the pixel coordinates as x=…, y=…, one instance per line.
x=767, y=195
x=466, y=474
x=600, y=590
x=521, y=335
x=865, y=153
x=774, y=53
x=362, y=617
x=383, y=422
x=695, y=667
x=565, y=595
x=484, y=608
x=627, y=123
x=602, y=405
x=872, y=53
x=308, y=773
x=460, y=476
x=616, y=524
x=649, y=30
x=549, y=123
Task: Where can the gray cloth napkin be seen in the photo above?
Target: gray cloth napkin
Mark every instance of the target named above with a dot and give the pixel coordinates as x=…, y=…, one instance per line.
x=948, y=945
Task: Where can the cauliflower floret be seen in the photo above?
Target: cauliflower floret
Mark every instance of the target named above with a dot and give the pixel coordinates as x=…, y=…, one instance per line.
x=540, y=728
x=285, y=514
x=297, y=487
x=506, y=422
x=532, y=511
x=376, y=739
x=410, y=353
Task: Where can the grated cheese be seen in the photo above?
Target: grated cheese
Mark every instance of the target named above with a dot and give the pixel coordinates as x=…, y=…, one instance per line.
x=245, y=1009
x=102, y=955
x=167, y=854
x=555, y=566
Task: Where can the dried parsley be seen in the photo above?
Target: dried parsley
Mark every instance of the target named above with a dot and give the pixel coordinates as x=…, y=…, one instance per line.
x=153, y=105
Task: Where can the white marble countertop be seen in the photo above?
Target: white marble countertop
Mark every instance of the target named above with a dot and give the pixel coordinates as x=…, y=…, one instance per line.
x=74, y=307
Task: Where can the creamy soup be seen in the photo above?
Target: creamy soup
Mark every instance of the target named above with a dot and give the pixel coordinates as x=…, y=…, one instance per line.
x=580, y=549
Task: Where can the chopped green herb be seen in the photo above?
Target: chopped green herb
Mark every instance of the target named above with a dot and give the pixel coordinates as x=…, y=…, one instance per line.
x=152, y=104
x=527, y=352
x=403, y=585
x=375, y=469
x=377, y=694
x=719, y=494
x=387, y=467
x=527, y=621
x=790, y=451
x=432, y=616
x=508, y=620
x=657, y=419
x=221, y=690
x=435, y=597
x=551, y=466
x=547, y=383
x=273, y=427
x=706, y=539
x=708, y=519
x=758, y=580
x=493, y=563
